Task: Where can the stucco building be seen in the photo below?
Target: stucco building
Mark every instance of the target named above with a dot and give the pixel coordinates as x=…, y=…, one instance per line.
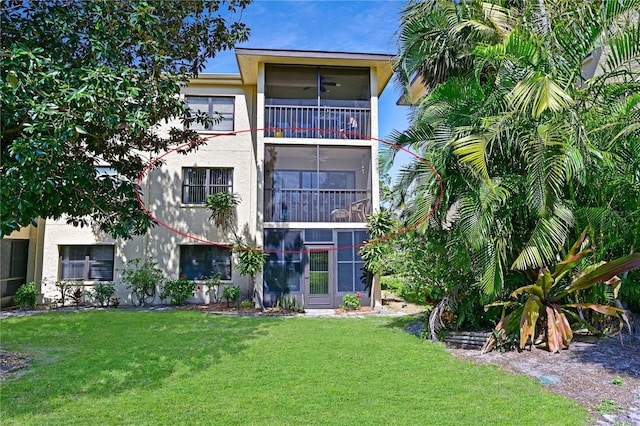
x=297, y=143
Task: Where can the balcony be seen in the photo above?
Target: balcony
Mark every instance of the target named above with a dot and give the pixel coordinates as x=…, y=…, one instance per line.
x=291, y=121
x=316, y=205
x=310, y=183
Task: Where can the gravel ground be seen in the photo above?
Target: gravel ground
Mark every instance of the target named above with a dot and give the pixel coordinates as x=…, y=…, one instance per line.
x=600, y=374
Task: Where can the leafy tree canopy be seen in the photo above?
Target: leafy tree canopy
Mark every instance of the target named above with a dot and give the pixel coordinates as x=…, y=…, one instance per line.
x=86, y=83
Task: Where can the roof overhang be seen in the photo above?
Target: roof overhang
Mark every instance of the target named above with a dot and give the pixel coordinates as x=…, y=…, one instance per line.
x=416, y=90
x=249, y=60
x=207, y=78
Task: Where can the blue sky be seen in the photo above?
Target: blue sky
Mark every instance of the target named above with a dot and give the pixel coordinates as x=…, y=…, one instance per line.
x=363, y=26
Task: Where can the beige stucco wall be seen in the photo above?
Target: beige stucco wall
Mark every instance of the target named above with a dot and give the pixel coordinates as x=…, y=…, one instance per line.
x=162, y=190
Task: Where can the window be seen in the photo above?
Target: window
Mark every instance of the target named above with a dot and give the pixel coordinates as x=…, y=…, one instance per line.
x=199, y=183
x=351, y=274
x=283, y=271
x=88, y=263
x=13, y=265
x=221, y=108
x=201, y=262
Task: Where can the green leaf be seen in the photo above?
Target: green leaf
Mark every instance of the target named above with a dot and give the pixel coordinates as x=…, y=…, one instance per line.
x=528, y=322
x=539, y=94
x=603, y=273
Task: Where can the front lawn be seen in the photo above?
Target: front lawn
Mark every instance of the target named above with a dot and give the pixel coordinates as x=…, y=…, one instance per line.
x=185, y=367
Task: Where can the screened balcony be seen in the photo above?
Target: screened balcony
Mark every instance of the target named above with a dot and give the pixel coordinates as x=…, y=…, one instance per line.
x=317, y=184
x=317, y=102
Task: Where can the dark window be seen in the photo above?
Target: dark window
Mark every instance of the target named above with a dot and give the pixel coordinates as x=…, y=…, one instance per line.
x=318, y=235
x=351, y=274
x=283, y=271
x=88, y=263
x=199, y=183
x=202, y=262
x=13, y=265
x=221, y=108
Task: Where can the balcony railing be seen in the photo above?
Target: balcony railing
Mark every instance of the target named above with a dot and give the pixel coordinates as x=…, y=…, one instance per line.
x=316, y=122
x=316, y=205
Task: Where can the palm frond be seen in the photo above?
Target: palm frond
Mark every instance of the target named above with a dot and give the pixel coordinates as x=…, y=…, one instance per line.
x=547, y=237
x=472, y=150
x=538, y=94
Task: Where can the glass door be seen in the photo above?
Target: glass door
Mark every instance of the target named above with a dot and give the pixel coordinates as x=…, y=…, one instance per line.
x=319, y=277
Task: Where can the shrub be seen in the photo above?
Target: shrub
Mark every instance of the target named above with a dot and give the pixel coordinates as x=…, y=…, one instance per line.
x=141, y=278
x=213, y=284
x=541, y=308
x=103, y=293
x=64, y=287
x=391, y=283
x=26, y=296
x=246, y=304
x=178, y=290
x=231, y=293
x=290, y=303
x=76, y=293
x=351, y=302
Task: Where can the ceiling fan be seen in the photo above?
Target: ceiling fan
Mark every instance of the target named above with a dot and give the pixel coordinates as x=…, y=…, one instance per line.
x=323, y=85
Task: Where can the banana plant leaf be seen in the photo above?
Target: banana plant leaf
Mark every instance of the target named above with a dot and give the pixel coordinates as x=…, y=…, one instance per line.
x=533, y=289
x=603, y=309
x=528, y=321
x=505, y=326
x=559, y=332
x=572, y=258
x=602, y=273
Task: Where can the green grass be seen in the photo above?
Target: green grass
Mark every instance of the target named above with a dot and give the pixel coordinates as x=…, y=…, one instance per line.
x=185, y=367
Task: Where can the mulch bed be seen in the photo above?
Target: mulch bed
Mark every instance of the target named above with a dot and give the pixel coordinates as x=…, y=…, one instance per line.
x=12, y=362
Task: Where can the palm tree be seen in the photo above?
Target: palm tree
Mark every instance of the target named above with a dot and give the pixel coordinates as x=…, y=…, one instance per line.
x=510, y=127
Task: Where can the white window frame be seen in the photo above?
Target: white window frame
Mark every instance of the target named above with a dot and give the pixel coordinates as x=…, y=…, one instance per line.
x=216, y=106
x=87, y=262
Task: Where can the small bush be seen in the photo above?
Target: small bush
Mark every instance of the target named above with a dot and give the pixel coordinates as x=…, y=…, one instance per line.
x=213, y=285
x=178, y=290
x=103, y=293
x=26, y=296
x=142, y=277
x=64, y=288
x=76, y=293
x=231, y=293
x=289, y=303
x=351, y=302
x=391, y=283
x=246, y=304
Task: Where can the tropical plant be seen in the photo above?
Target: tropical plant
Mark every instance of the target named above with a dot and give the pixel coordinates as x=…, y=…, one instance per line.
x=178, y=290
x=289, y=303
x=231, y=293
x=142, y=277
x=515, y=129
x=26, y=296
x=251, y=260
x=376, y=252
x=351, y=302
x=64, y=288
x=103, y=292
x=213, y=285
x=76, y=293
x=223, y=206
x=541, y=308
